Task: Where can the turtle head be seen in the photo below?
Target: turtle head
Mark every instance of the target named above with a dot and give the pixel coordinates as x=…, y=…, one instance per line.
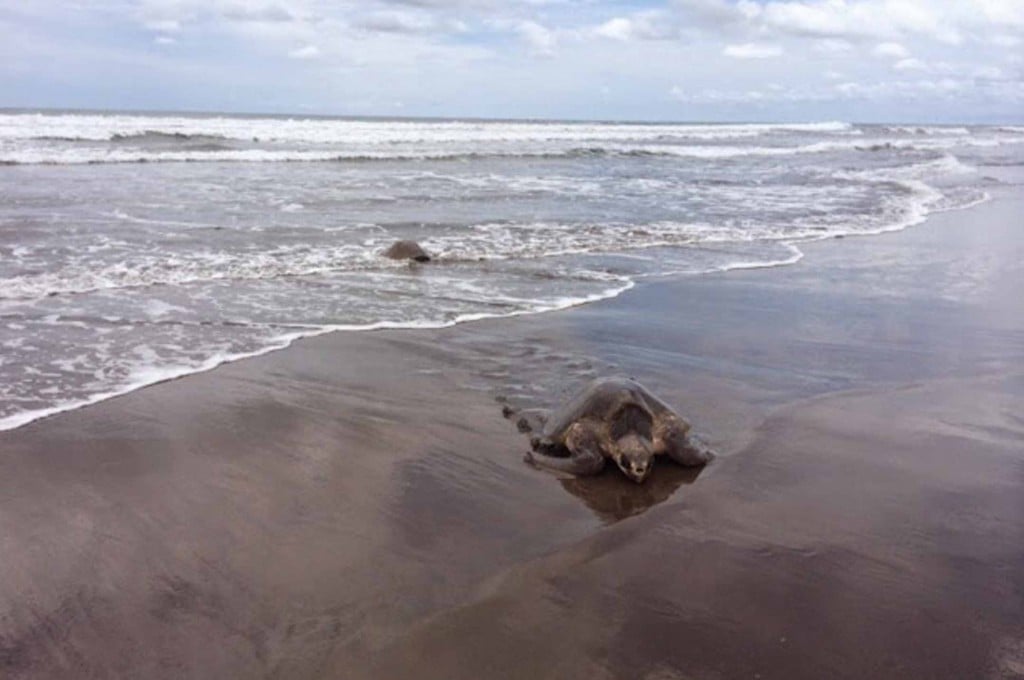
x=635, y=457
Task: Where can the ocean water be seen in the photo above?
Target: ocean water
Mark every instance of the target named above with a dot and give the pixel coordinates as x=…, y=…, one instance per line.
x=136, y=248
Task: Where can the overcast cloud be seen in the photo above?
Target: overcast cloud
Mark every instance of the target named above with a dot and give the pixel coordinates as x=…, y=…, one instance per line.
x=861, y=60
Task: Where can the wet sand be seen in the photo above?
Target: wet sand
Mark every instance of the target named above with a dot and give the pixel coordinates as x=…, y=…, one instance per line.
x=357, y=507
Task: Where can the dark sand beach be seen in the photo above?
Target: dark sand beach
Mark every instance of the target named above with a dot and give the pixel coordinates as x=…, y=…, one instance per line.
x=356, y=506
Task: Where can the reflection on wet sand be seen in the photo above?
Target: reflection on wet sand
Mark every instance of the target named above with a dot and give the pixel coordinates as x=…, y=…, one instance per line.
x=613, y=498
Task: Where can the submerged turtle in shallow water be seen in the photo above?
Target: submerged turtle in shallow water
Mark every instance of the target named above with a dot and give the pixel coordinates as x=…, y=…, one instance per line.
x=617, y=419
x=407, y=250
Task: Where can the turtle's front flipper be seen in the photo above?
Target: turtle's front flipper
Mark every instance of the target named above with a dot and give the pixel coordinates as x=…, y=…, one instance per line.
x=585, y=455
x=691, y=452
x=674, y=439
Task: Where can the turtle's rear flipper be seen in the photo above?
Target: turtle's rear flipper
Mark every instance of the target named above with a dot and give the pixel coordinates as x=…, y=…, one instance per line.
x=546, y=447
x=585, y=456
x=531, y=420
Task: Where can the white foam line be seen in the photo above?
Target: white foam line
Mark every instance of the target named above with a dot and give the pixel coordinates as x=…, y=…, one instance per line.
x=71, y=156
x=919, y=216
x=125, y=127
x=164, y=375
x=795, y=257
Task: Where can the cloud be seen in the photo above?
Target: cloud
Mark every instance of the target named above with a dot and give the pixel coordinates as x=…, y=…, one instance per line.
x=909, y=65
x=647, y=25
x=618, y=28
x=759, y=97
x=396, y=22
x=890, y=49
x=266, y=13
x=718, y=13
x=305, y=52
x=541, y=40
x=601, y=58
x=811, y=19
x=943, y=88
x=1002, y=12
x=949, y=22
x=164, y=25
x=752, y=51
x=1007, y=40
x=989, y=73
x=832, y=46
x=178, y=15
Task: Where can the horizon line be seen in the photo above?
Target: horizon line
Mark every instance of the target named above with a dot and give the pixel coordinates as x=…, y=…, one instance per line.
x=482, y=119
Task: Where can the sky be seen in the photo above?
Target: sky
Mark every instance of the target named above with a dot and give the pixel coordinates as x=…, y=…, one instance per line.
x=679, y=60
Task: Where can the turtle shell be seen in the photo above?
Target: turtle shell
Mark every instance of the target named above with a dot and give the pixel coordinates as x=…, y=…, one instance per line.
x=620, y=402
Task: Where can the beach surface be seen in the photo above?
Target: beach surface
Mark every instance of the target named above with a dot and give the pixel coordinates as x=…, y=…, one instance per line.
x=357, y=506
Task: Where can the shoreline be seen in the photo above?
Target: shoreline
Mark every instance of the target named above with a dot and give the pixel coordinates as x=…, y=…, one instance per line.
x=356, y=505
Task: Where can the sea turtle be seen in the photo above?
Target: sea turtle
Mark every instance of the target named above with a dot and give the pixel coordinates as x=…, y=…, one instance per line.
x=615, y=418
x=406, y=250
